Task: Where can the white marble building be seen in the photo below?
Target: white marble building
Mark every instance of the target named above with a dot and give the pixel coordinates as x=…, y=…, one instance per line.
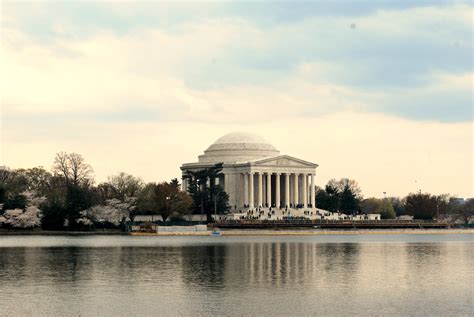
x=255, y=174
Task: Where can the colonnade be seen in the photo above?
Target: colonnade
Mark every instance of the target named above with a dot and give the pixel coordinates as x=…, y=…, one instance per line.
x=293, y=183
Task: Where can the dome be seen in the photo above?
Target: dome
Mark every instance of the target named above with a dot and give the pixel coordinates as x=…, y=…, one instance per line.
x=238, y=147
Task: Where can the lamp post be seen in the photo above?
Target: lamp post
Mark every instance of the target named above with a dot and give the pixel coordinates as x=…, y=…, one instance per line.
x=168, y=207
x=216, y=195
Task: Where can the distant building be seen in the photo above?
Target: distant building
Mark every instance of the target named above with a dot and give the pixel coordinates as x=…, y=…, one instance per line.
x=456, y=200
x=405, y=217
x=256, y=175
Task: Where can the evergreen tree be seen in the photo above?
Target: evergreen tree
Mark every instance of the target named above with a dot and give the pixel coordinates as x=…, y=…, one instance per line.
x=328, y=198
x=342, y=195
x=164, y=199
x=78, y=198
x=348, y=202
x=206, y=194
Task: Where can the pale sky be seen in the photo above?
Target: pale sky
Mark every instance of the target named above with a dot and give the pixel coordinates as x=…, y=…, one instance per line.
x=376, y=91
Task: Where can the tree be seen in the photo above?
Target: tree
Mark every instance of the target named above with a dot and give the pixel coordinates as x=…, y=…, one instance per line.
x=124, y=185
x=387, y=212
x=30, y=217
x=54, y=216
x=348, y=202
x=164, y=199
x=398, y=205
x=105, y=191
x=328, y=198
x=14, y=181
x=371, y=206
x=114, y=212
x=77, y=199
x=14, y=201
x=38, y=180
x=349, y=194
x=207, y=196
x=378, y=206
x=73, y=168
x=12, y=186
x=464, y=211
x=346, y=183
x=340, y=195
x=421, y=206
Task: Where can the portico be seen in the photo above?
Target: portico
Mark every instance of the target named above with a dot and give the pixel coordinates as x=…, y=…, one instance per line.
x=273, y=189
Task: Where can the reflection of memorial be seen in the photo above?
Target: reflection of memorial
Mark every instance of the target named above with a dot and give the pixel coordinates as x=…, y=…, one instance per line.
x=268, y=264
x=283, y=263
x=204, y=265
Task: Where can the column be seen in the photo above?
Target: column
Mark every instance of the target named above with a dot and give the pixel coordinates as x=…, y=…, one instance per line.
x=287, y=190
x=313, y=193
x=259, y=190
x=305, y=190
x=295, y=190
x=246, y=189
x=269, y=189
x=183, y=184
x=277, y=190
x=251, y=190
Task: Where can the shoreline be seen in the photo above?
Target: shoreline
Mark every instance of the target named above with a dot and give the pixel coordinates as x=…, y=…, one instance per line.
x=313, y=232
x=243, y=232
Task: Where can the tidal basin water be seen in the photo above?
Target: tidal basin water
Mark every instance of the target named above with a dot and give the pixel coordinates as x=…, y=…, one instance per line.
x=334, y=275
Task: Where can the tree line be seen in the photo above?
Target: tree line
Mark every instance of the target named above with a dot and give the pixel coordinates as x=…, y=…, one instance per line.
x=66, y=198
x=345, y=196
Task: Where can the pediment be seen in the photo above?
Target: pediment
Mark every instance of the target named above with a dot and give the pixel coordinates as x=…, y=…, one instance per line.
x=284, y=160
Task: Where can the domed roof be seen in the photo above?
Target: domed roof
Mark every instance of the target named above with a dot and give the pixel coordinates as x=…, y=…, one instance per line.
x=242, y=138
x=238, y=147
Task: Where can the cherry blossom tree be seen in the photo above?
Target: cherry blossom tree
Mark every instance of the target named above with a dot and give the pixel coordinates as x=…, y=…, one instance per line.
x=28, y=218
x=114, y=211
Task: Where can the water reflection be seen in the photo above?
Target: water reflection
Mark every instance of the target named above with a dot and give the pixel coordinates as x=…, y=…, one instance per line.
x=236, y=277
x=204, y=266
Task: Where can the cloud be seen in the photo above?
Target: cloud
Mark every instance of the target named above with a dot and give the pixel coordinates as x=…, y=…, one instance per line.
x=157, y=73
x=390, y=96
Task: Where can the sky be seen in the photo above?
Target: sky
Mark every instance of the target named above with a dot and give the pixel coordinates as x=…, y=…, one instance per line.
x=376, y=91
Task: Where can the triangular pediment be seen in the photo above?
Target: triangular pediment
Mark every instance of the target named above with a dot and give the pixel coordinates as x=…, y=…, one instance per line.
x=283, y=160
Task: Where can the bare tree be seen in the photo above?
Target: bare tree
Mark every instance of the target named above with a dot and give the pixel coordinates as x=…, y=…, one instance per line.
x=73, y=168
x=5, y=174
x=346, y=184
x=61, y=165
x=464, y=211
x=125, y=185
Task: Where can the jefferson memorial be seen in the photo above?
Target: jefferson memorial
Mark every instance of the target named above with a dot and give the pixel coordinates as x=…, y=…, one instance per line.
x=256, y=175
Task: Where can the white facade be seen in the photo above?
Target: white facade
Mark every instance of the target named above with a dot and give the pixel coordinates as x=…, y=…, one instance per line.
x=256, y=175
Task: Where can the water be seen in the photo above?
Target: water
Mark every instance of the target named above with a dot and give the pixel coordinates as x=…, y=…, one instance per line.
x=336, y=275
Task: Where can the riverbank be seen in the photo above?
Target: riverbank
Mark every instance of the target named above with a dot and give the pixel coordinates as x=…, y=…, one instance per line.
x=243, y=232
x=60, y=233
x=311, y=232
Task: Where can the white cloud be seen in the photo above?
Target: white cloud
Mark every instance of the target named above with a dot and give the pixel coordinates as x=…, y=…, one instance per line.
x=53, y=93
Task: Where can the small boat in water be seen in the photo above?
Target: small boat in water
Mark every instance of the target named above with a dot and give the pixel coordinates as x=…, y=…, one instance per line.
x=215, y=232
